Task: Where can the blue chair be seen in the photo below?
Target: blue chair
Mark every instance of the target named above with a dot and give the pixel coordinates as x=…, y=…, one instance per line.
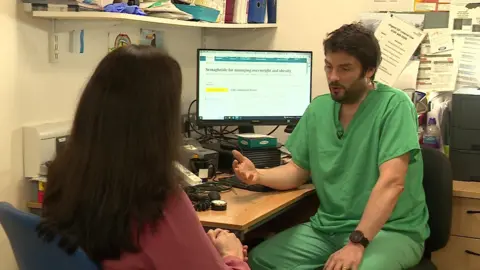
x=31, y=252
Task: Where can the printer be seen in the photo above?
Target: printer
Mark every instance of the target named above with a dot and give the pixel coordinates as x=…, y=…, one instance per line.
x=40, y=145
x=465, y=135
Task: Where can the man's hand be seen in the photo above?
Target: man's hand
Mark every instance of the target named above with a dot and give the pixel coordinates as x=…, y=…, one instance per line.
x=244, y=169
x=347, y=258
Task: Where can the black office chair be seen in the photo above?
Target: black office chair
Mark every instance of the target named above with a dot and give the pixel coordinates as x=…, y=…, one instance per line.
x=438, y=185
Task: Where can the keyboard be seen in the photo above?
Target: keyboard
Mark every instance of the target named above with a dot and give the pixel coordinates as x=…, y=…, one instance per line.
x=237, y=183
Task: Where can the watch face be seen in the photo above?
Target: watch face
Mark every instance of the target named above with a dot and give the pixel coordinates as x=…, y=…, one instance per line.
x=356, y=237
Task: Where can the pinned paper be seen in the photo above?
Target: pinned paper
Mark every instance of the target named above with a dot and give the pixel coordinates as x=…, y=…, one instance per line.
x=152, y=38
x=440, y=40
x=398, y=41
x=408, y=77
x=117, y=40
x=438, y=71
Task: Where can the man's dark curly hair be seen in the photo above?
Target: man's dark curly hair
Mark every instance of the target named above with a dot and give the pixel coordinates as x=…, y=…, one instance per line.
x=356, y=40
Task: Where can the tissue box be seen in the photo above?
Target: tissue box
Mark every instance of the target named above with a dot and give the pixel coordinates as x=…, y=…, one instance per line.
x=255, y=141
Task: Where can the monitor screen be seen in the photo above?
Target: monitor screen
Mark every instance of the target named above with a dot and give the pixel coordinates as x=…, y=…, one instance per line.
x=238, y=87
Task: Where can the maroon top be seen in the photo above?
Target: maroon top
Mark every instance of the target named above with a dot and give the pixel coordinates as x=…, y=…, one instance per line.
x=180, y=242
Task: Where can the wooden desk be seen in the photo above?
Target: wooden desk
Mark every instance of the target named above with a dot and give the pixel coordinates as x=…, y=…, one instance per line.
x=246, y=210
x=463, y=248
x=466, y=189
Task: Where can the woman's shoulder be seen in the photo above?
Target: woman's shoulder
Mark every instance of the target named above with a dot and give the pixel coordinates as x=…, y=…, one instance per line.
x=165, y=237
x=178, y=213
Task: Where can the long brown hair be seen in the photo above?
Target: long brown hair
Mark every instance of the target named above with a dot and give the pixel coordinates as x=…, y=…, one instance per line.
x=116, y=171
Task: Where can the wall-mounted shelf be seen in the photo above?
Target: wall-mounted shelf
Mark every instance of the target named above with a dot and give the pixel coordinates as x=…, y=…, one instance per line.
x=72, y=21
x=108, y=16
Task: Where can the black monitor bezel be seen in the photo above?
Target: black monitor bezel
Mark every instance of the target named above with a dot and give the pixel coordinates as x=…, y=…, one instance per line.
x=259, y=122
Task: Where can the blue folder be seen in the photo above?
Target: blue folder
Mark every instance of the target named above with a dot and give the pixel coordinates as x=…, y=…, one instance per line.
x=272, y=11
x=256, y=11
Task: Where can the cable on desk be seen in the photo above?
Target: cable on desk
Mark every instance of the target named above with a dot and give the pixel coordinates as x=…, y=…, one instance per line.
x=198, y=194
x=210, y=132
x=207, y=187
x=275, y=129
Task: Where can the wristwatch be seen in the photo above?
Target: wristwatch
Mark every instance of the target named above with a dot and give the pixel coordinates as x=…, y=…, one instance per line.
x=357, y=237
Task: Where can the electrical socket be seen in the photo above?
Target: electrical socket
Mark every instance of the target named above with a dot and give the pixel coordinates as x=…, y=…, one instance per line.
x=185, y=118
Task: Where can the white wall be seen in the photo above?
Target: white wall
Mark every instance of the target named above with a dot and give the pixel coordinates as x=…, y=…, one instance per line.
x=302, y=25
x=32, y=90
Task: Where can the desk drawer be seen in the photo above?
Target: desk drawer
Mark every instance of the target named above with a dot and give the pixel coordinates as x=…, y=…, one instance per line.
x=466, y=217
x=460, y=253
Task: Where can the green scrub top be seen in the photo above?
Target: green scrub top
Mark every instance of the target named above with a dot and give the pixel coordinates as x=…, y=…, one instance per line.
x=344, y=164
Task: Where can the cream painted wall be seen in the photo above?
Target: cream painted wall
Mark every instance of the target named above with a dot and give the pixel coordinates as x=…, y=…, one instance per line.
x=32, y=90
x=302, y=25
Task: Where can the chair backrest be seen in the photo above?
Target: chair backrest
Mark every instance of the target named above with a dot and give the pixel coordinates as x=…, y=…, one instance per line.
x=438, y=186
x=30, y=251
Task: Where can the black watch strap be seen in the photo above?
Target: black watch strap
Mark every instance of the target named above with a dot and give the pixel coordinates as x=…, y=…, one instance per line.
x=364, y=242
x=357, y=237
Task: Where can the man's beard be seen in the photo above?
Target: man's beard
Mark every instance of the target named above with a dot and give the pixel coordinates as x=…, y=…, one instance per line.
x=352, y=94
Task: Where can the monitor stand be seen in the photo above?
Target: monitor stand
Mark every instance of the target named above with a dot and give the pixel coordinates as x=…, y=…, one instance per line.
x=241, y=130
x=289, y=129
x=246, y=129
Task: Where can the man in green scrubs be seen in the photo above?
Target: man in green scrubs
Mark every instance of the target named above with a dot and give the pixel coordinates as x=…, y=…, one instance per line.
x=359, y=144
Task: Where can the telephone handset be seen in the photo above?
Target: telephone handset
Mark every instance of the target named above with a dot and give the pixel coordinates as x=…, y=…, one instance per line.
x=189, y=177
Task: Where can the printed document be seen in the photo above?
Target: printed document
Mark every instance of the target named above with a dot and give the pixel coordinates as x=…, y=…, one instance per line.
x=468, y=55
x=440, y=40
x=398, y=41
x=464, y=17
x=373, y=19
x=438, y=71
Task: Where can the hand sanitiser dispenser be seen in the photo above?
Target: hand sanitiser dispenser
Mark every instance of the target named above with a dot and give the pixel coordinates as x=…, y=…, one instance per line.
x=40, y=145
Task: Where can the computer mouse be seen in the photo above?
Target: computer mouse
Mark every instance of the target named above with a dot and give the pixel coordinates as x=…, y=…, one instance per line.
x=214, y=195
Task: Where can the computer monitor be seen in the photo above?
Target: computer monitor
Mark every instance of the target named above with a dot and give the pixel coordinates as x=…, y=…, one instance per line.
x=257, y=87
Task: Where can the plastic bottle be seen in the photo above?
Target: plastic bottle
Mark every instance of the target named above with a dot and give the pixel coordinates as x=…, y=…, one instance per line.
x=420, y=133
x=431, y=136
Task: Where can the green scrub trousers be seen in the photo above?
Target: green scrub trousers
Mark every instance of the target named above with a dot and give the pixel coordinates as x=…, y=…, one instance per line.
x=305, y=248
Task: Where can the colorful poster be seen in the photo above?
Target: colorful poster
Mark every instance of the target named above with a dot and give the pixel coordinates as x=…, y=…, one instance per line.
x=117, y=40
x=432, y=5
x=152, y=38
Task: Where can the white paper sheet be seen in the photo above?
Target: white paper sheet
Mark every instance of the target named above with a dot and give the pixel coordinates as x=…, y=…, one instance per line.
x=391, y=5
x=440, y=40
x=373, y=19
x=408, y=77
x=398, y=41
x=464, y=17
x=438, y=71
x=467, y=51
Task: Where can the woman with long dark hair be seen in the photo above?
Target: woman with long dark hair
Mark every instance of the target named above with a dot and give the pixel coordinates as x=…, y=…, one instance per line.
x=114, y=191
